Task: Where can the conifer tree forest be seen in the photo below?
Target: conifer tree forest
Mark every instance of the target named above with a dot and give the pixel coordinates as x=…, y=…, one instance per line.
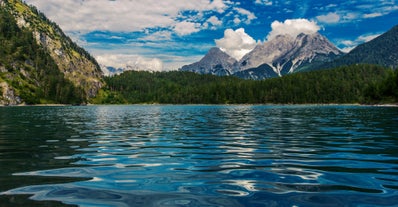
x=346, y=84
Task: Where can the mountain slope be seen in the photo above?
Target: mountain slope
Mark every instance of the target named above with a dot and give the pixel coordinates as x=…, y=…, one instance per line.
x=267, y=53
x=215, y=62
x=263, y=71
x=23, y=71
x=382, y=50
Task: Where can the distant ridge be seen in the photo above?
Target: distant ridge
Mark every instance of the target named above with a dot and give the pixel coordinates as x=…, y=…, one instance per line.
x=383, y=51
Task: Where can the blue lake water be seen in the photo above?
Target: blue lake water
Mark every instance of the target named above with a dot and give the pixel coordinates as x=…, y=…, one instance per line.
x=199, y=156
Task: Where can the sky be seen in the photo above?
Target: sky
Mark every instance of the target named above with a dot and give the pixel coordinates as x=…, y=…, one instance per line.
x=167, y=34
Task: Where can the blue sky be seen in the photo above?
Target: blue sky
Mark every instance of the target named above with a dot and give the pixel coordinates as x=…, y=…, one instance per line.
x=166, y=34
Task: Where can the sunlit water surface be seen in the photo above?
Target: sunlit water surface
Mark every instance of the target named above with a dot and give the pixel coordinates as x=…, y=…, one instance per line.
x=199, y=156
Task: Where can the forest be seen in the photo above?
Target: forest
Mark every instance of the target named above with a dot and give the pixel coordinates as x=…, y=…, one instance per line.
x=346, y=84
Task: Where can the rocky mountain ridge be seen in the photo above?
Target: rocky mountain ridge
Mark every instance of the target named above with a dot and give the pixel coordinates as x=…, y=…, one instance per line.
x=282, y=55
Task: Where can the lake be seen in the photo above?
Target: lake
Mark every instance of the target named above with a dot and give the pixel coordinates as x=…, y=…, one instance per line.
x=194, y=155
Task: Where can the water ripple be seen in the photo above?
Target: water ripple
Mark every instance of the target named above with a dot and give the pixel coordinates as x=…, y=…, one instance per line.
x=204, y=155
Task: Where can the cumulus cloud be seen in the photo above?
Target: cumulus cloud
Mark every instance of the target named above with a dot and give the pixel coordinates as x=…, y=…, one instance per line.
x=330, y=18
x=292, y=27
x=236, y=43
x=130, y=62
x=186, y=28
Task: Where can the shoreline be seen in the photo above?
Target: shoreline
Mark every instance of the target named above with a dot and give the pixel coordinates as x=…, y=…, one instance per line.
x=158, y=104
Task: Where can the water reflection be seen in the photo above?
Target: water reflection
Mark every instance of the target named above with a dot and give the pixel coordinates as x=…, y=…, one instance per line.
x=202, y=155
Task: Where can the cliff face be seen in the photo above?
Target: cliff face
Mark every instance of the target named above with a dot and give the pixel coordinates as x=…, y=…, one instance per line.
x=7, y=95
x=74, y=63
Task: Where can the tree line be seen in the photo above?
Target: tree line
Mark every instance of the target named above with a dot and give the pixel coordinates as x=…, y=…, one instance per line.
x=346, y=84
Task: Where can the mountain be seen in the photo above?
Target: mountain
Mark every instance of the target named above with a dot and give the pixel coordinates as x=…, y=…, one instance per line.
x=285, y=54
x=282, y=55
x=39, y=63
x=382, y=51
x=215, y=62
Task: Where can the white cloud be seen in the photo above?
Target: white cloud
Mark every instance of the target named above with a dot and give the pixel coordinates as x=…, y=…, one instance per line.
x=214, y=21
x=330, y=18
x=351, y=16
x=218, y=5
x=131, y=62
x=249, y=16
x=236, y=43
x=373, y=15
x=367, y=38
x=292, y=27
x=122, y=15
x=186, y=28
x=348, y=45
x=237, y=21
x=264, y=2
x=157, y=36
